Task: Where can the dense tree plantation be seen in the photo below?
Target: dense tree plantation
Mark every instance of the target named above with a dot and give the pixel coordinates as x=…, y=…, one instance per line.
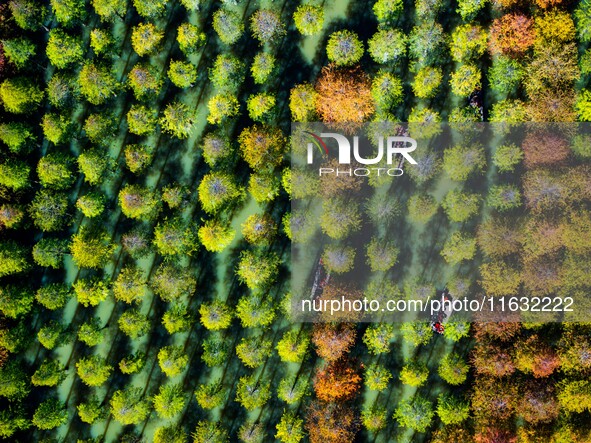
x=145, y=220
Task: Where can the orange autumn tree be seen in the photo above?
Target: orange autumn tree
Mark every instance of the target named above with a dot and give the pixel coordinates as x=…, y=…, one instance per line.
x=331, y=423
x=344, y=97
x=333, y=340
x=512, y=35
x=337, y=381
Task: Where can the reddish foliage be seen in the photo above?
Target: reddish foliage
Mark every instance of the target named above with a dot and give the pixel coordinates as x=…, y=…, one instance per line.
x=503, y=331
x=544, y=148
x=538, y=403
x=492, y=360
x=337, y=381
x=494, y=435
x=331, y=423
x=512, y=35
x=536, y=357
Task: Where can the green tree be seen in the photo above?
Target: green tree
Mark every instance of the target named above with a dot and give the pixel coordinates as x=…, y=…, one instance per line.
x=177, y=120
x=215, y=236
x=263, y=187
x=452, y=410
x=15, y=301
x=374, y=418
x=338, y=259
x=415, y=413
x=128, y=407
x=460, y=206
x=14, y=174
x=215, y=315
x=575, y=396
x=227, y=72
x=14, y=383
x=262, y=147
x=49, y=210
x=91, y=248
x=228, y=25
x=172, y=360
x=99, y=128
x=414, y=373
x=453, y=369
x=138, y=157
x=136, y=242
x=260, y=106
x=211, y=395
x=387, y=46
x=93, y=370
x=262, y=67
x=458, y=247
x=222, y=107
x=55, y=171
x=170, y=401
x=308, y=19
x=209, y=432
x=506, y=74
x=91, y=411
x=93, y=165
x=176, y=318
x=92, y=204
x=27, y=14
x=68, y=12
x=266, y=26
x=130, y=285
x=19, y=50
x=217, y=191
x=49, y=252
x=293, y=346
x=53, y=296
x=259, y=229
x=504, y=197
x=462, y=161
x=144, y=80
x=386, y=90
x=302, y=102
x=189, y=38
x=468, y=9
x=138, y=202
x=378, y=337
x=50, y=414
x=339, y=218
x=426, y=43
x=256, y=270
x=468, y=42
x=251, y=392
x=11, y=216
x=14, y=258
x=344, y=48
x=12, y=420
x=61, y=90
x=150, y=8
x=49, y=373
x=427, y=81
x=466, y=80
x=132, y=363
x=377, y=377
x=96, y=83
x=20, y=95
x=133, y=323
x=507, y=157
x=63, y=50
x=182, y=74
x=52, y=335
x=215, y=351
x=290, y=428
x=416, y=333
x=17, y=136
x=254, y=351
x=422, y=207
x=90, y=292
x=255, y=310
x=387, y=10
x=251, y=432
x=141, y=120
x=175, y=237
x=101, y=41
x=170, y=434
x=292, y=389
x=381, y=255
x=91, y=333
x=108, y=10
x=171, y=282
x=56, y=128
